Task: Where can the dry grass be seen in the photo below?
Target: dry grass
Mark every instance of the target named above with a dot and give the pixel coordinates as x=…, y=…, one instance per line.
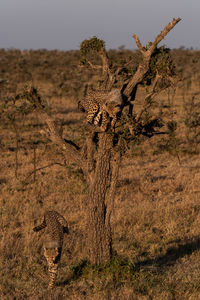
x=156, y=218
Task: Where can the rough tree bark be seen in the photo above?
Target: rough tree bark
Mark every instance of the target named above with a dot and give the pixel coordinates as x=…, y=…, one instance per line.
x=102, y=189
x=100, y=165
x=99, y=231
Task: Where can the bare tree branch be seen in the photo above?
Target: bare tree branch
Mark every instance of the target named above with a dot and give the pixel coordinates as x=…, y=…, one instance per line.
x=138, y=43
x=146, y=55
x=92, y=66
x=70, y=150
x=106, y=72
x=163, y=33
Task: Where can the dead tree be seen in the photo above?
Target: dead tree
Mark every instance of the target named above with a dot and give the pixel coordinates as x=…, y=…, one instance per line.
x=99, y=158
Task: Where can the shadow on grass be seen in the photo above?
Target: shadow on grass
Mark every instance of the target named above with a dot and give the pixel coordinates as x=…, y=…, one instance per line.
x=120, y=269
x=171, y=256
x=77, y=272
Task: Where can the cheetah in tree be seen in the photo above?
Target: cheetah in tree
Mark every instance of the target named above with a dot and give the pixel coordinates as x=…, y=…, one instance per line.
x=102, y=107
x=55, y=226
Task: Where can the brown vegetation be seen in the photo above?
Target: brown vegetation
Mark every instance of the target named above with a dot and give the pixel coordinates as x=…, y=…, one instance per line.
x=156, y=210
x=99, y=157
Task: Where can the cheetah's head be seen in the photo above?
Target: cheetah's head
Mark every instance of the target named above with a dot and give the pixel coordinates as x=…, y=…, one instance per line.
x=51, y=254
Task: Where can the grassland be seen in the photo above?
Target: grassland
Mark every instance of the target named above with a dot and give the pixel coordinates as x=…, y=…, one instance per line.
x=156, y=217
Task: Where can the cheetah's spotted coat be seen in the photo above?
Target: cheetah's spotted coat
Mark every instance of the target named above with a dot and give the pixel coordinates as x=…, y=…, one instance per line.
x=102, y=107
x=55, y=226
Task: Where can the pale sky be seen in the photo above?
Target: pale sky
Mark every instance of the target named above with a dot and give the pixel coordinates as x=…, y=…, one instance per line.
x=63, y=24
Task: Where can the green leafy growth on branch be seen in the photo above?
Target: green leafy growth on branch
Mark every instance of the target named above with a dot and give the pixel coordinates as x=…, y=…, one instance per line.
x=93, y=44
x=161, y=64
x=90, y=46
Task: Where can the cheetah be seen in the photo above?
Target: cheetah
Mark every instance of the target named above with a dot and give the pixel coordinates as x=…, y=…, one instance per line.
x=102, y=107
x=56, y=226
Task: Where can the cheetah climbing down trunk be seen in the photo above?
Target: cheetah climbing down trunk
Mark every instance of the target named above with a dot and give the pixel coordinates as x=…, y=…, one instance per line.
x=102, y=107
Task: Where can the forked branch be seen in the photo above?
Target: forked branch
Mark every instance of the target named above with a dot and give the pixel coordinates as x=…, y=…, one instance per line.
x=146, y=56
x=70, y=149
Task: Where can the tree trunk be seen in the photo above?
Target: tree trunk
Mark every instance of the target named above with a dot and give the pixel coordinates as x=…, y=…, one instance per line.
x=99, y=230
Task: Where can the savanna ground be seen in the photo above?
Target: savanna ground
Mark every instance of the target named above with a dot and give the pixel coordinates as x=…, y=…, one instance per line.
x=156, y=217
